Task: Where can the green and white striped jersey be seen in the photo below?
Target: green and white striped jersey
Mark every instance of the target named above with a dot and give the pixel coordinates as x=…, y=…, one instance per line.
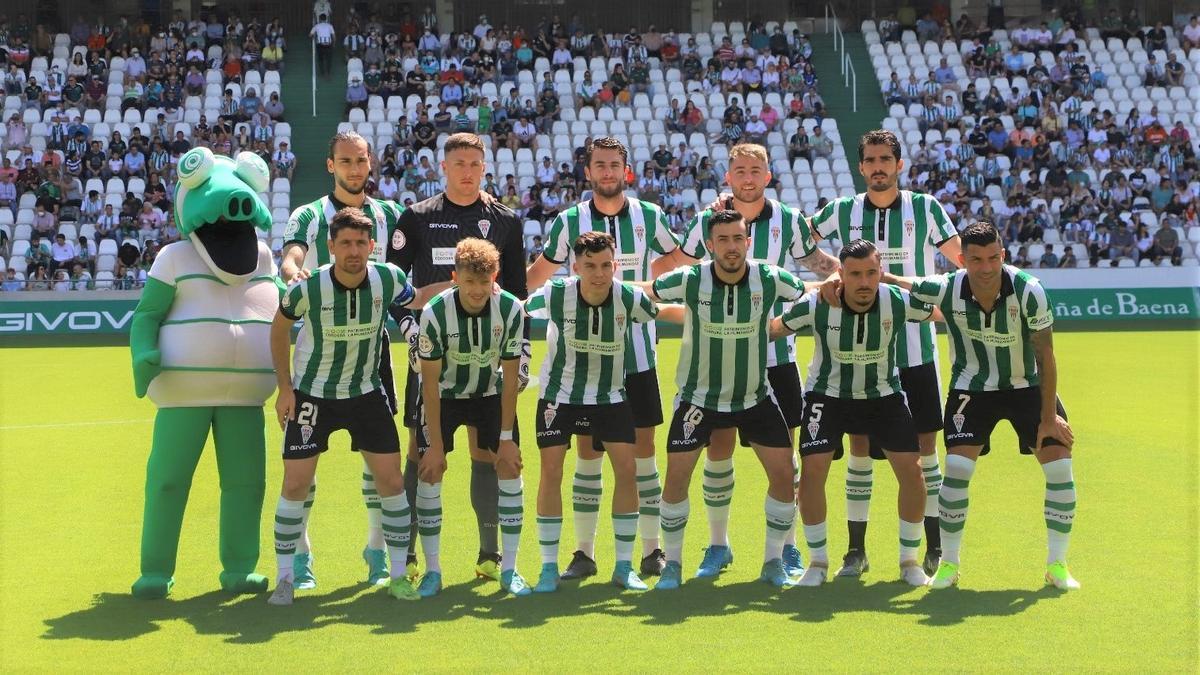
x=779, y=232
x=470, y=346
x=640, y=231
x=309, y=225
x=585, y=344
x=907, y=234
x=856, y=352
x=338, y=350
x=990, y=351
x=723, y=362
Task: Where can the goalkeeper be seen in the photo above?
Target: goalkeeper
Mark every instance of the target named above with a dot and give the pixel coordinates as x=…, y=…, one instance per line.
x=424, y=245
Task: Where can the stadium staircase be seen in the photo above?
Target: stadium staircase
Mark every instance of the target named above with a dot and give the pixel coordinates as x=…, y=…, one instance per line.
x=839, y=101
x=311, y=134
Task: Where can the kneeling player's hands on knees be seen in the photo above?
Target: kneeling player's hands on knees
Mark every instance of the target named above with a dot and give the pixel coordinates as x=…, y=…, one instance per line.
x=509, y=456
x=1057, y=428
x=285, y=407
x=432, y=465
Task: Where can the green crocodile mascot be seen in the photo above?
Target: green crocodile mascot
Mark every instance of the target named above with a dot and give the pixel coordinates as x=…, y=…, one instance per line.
x=200, y=343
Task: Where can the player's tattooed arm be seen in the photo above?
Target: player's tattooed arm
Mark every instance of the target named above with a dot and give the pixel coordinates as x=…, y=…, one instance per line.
x=952, y=250
x=820, y=263
x=1052, y=424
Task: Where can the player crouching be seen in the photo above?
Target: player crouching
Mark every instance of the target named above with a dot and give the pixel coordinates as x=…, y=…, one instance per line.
x=470, y=348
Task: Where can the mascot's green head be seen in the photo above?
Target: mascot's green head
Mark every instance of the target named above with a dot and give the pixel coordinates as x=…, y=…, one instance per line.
x=218, y=209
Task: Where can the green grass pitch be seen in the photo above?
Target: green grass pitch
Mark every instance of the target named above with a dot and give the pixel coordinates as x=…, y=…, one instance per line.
x=73, y=445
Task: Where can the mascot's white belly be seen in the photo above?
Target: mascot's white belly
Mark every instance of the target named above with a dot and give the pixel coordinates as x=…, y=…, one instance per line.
x=215, y=341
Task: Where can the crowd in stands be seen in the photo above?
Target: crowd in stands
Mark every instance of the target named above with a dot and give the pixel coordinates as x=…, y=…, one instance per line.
x=512, y=87
x=1059, y=132
x=95, y=122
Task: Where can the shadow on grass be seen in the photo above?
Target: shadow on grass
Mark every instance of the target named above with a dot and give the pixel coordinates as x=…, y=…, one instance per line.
x=249, y=620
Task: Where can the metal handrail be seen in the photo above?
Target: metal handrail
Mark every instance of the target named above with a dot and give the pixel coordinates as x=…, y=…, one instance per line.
x=314, y=77
x=849, y=76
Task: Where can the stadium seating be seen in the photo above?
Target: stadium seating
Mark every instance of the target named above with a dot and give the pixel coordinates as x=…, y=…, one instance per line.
x=106, y=120
x=1121, y=63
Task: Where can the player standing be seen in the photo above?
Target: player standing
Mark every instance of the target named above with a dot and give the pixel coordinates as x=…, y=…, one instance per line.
x=1003, y=367
x=428, y=234
x=337, y=385
x=908, y=229
x=305, y=248
x=470, y=349
x=854, y=387
x=776, y=232
x=645, y=249
x=590, y=319
x=722, y=379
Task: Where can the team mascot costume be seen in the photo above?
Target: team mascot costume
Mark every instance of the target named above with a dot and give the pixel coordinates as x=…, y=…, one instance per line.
x=200, y=343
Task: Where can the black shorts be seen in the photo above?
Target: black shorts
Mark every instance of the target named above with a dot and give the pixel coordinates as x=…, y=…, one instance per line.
x=789, y=393
x=886, y=421
x=366, y=417
x=761, y=424
x=605, y=423
x=386, y=376
x=923, y=394
x=412, y=400
x=641, y=391
x=481, y=413
x=971, y=416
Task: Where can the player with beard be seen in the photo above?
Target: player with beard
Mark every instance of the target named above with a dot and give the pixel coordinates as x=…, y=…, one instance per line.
x=777, y=232
x=907, y=229
x=728, y=303
x=424, y=245
x=306, y=248
x=645, y=248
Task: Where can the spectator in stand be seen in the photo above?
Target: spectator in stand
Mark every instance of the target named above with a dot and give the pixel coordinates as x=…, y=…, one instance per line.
x=324, y=34
x=62, y=253
x=1166, y=244
x=11, y=283
x=1049, y=259
x=1122, y=245
x=283, y=162
x=356, y=94
x=821, y=144
x=1189, y=37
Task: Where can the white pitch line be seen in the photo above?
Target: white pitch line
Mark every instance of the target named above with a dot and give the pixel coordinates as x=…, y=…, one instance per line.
x=72, y=424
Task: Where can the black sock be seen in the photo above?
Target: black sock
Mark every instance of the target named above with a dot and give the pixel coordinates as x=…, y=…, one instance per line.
x=410, y=492
x=933, y=535
x=858, y=535
x=485, y=499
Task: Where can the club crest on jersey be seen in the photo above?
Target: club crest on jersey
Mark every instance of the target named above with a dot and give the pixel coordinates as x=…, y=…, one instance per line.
x=775, y=231
x=639, y=232
x=305, y=433
x=549, y=414
x=959, y=419
x=887, y=325
x=756, y=300
x=497, y=331
x=909, y=227
x=813, y=429
x=1013, y=311
x=398, y=240
x=377, y=304
x=485, y=226
x=620, y=318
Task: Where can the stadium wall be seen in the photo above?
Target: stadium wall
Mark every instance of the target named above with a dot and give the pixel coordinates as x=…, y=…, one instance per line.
x=1121, y=299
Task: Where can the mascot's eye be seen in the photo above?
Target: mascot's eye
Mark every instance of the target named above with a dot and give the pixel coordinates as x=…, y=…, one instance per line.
x=247, y=206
